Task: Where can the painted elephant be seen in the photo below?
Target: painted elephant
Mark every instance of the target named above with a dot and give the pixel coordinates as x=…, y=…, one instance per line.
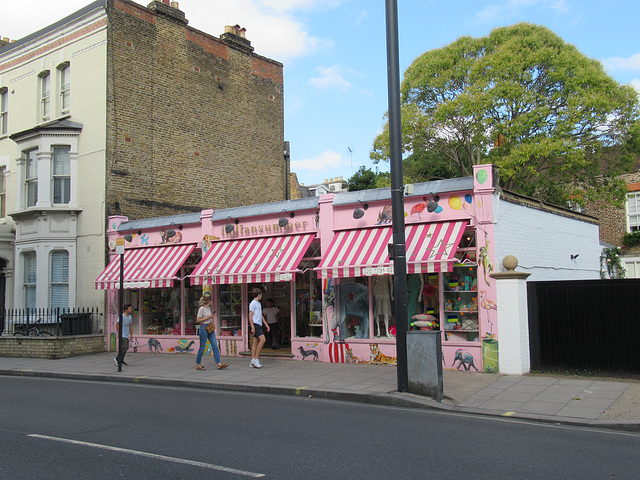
x=465, y=359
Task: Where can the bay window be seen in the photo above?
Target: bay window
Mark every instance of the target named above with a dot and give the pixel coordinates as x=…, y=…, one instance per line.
x=61, y=175
x=59, y=279
x=30, y=279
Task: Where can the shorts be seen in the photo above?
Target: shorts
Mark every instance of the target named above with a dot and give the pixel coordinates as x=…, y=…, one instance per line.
x=259, y=331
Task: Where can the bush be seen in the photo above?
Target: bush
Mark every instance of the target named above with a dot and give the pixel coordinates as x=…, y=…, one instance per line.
x=631, y=239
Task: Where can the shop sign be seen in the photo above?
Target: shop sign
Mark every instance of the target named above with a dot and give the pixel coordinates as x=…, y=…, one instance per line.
x=285, y=277
x=264, y=229
x=140, y=284
x=367, y=272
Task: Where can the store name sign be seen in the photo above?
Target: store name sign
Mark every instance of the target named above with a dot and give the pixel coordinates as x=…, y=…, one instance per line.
x=262, y=229
x=285, y=277
x=141, y=284
x=369, y=271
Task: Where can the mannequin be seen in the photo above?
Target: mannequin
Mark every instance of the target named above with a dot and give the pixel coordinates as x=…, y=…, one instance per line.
x=383, y=292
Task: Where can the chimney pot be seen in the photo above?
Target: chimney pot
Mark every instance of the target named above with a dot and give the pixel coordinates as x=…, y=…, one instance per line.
x=175, y=5
x=166, y=2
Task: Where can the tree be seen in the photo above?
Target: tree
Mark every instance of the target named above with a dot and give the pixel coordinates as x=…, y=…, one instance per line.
x=365, y=179
x=525, y=100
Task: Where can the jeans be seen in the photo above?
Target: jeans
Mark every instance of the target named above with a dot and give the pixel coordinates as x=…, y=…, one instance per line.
x=204, y=336
x=124, y=346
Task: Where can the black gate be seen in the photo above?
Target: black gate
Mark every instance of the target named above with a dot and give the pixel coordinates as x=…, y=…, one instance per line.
x=585, y=326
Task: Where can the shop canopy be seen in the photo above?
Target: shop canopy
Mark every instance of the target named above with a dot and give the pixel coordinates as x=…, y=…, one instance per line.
x=152, y=267
x=268, y=259
x=430, y=247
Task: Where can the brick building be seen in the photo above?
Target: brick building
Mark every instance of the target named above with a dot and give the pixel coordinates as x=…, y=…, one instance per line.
x=125, y=109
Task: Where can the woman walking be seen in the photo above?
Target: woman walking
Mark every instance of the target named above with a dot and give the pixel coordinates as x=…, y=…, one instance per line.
x=205, y=320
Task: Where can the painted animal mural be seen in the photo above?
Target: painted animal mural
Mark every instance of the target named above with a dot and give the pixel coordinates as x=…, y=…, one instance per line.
x=154, y=345
x=465, y=360
x=183, y=346
x=377, y=357
x=308, y=353
x=354, y=301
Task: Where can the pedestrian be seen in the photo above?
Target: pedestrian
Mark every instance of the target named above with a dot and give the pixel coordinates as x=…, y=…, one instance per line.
x=256, y=317
x=271, y=314
x=205, y=320
x=127, y=320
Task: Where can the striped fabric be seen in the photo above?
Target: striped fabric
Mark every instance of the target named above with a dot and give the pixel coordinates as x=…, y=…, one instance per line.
x=152, y=267
x=430, y=247
x=253, y=260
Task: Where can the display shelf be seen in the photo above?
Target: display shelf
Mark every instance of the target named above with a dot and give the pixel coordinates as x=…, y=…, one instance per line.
x=460, y=322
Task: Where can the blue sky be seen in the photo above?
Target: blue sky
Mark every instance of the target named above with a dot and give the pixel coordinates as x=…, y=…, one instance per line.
x=334, y=54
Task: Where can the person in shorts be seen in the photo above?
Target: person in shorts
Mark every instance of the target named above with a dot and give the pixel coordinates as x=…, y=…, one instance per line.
x=257, y=324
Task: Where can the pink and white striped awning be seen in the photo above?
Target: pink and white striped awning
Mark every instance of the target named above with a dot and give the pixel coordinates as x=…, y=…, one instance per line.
x=430, y=247
x=152, y=267
x=268, y=259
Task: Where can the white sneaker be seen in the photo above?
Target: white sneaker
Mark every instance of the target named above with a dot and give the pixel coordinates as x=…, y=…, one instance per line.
x=253, y=363
x=257, y=364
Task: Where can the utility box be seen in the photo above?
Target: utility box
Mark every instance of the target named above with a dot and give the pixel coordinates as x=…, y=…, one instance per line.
x=76, y=323
x=424, y=363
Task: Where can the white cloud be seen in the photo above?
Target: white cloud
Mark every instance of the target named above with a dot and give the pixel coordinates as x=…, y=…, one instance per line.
x=635, y=83
x=622, y=63
x=327, y=160
x=330, y=78
x=509, y=8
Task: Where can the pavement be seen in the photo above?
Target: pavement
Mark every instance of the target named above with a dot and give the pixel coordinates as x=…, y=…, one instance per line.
x=587, y=401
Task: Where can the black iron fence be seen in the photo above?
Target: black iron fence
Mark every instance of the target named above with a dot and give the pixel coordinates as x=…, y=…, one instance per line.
x=585, y=326
x=46, y=322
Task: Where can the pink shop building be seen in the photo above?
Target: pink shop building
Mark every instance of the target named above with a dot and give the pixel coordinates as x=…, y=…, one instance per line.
x=324, y=263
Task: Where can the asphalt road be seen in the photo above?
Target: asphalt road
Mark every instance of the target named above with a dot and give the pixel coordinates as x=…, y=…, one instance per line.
x=60, y=429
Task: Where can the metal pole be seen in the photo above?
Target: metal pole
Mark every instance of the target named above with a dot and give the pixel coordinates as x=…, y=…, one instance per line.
x=120, y=302
x=397, y=198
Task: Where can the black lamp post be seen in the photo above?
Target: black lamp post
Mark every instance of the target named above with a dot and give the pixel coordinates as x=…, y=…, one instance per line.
x=397, y=198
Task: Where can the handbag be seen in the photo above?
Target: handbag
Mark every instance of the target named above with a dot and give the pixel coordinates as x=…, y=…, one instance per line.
x=209, y=327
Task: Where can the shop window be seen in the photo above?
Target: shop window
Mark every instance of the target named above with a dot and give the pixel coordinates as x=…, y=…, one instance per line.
x=31, y=177
x=353, y=307
x=44, y=93
x=308, y=298
x=61, y=175
x=29, y=279
x=4, y=115
x=161, y=310
x=64, y=81
x=633, y=211
x=460, y=296
x=230, y=309
x=59, y=284
x=383, y=318
x=280, y=295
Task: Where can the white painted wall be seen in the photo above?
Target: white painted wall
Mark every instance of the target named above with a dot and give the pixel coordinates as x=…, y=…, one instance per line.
x=543, y=243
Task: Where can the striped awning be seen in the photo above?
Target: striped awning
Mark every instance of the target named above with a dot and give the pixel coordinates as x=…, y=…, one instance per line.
x=268, y=259
x=430, y=247
x=152, y=267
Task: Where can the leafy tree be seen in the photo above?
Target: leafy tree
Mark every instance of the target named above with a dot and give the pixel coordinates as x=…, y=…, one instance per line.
x=365, y=178
x=525, y=100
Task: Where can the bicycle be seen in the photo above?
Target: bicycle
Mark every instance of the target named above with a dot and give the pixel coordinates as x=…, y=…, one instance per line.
x=31, y=330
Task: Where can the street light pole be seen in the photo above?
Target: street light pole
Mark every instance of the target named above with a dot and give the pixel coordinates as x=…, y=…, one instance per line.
x=397, y=198
x=120, y=251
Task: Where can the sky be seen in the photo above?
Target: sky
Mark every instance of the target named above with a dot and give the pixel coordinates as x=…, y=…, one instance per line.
x=335, y=59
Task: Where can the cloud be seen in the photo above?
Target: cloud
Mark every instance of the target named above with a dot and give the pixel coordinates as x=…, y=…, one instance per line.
x=330, y=78
x=635, y=83
x=327, y=160
x=622, y=63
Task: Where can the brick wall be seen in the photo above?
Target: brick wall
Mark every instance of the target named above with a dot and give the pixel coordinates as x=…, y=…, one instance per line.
x=192, y=122
x=51, y=348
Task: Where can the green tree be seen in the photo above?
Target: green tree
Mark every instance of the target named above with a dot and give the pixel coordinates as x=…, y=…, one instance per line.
x=525, y=100
x=365, y=179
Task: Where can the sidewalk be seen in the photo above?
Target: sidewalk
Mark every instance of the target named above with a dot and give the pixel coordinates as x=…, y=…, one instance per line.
x=558, y=399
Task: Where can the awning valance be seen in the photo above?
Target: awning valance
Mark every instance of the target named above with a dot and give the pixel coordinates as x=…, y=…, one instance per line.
x=268, y=259
x=152, y=267
x=430, y=247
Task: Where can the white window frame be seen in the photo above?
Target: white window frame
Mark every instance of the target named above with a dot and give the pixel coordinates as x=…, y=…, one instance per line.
x=59, y=279
x=61, y=174
x=633, y=211
x=3, y=191
x=64, y=88
x=30, y=278
x=4, y=111
x=44, y=95
x=31, y=177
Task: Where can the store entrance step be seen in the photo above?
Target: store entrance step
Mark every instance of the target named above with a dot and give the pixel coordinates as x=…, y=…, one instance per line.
x=270, y=353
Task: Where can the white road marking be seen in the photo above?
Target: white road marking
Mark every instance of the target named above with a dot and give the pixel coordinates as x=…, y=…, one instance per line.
x=150, y=455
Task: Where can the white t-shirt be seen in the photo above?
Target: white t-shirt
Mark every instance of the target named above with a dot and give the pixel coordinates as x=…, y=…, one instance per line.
x=271, y=313
x=256, y=309
x=203, y=312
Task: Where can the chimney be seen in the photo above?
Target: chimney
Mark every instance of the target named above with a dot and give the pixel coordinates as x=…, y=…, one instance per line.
x=166, y=2
x=235, y=36
x=175, y=5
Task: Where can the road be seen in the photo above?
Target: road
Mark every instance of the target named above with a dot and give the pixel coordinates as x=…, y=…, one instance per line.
x=64, y=429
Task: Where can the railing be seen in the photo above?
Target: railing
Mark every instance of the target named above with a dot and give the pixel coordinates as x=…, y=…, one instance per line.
x=49, y=321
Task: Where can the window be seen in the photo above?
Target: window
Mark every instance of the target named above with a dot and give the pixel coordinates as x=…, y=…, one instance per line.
x=29, y=262
x=3, y=192
x=61, y=175
x=45, y=96
x=4, y=100
x=31, y=177
x=64, y=74
x=633, y=211
x=59, y=279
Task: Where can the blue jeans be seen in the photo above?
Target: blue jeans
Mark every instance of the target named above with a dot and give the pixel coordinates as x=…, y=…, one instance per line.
x=203, y=343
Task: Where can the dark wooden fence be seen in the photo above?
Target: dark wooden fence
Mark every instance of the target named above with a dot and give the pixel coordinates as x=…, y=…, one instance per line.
x=585, y=326
x=49, y=321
